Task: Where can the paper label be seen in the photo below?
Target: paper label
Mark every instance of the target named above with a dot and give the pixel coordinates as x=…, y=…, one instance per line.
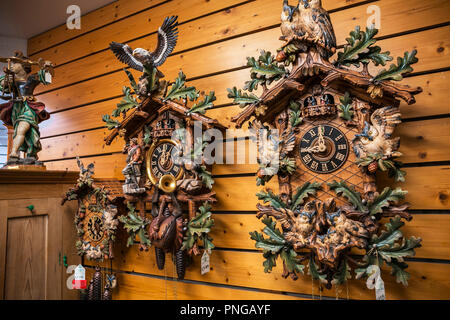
x=205, y=262
x=375, y=282
x=80, y=273
x=48, y=77
x=79, y=281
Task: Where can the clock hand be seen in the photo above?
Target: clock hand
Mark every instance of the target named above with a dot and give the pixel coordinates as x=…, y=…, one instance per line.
x=322, y=146
x=314, y=149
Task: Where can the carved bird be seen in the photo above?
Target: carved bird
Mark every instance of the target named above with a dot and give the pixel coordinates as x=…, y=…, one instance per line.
x=138, y=58
x=289, y=21
x=376, y=137
x=343, y=225
x=309, y=21
x=316, y=24
x=85, y=173
x=298, y=224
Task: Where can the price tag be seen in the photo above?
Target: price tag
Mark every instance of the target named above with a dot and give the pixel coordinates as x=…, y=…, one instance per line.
x=375, y=282
x=48, y=77
x=79, y=282
x=205, y=262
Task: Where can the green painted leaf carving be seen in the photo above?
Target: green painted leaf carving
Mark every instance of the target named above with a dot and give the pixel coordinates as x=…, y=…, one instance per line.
x=291, y=261
x=303, y=192
x=343, y=273
x=198, y=228
x=242, y=98
x=360, y=49
x=110, y=123
x=397, y=71
x=203, y=105
x=348, y=192
x=132, y=81
x=398, y=270
x=383, y=200
x=128, y=102
x=206, y=177
x=178, y=90
x=345, y=108
x=269, y=196
x=314, y=272
x=295, y=114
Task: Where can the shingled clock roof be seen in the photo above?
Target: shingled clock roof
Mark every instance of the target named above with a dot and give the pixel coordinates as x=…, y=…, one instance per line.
x=149, y=110
x=277, y=97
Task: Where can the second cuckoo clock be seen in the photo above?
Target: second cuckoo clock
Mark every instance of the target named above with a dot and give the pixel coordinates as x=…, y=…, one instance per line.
x=335, y=122
x=168, y=199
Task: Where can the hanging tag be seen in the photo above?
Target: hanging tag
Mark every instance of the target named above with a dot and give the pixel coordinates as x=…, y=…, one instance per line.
x=375, y=282
x=48, y=77
x=205, y=262
x=79, y=282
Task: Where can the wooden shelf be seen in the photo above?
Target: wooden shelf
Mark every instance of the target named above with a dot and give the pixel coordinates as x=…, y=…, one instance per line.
x=18, y=176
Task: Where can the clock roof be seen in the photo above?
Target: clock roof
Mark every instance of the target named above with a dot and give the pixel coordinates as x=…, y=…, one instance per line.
x=150, y=109
x=341, y=79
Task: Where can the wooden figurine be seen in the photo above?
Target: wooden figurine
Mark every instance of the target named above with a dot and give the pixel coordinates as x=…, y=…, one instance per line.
x=22, y=112
x=157, y=125
x=335, y=122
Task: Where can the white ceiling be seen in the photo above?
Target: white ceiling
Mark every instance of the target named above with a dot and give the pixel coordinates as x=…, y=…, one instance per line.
x=26, y=18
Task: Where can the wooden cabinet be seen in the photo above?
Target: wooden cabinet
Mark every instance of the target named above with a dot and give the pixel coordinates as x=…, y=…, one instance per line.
x=36, y=232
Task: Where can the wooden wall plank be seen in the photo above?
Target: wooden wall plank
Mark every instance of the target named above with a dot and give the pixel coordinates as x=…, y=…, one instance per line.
x=245, y=269
x=136, y=26
x=135, y=287
x=104, y=62
x=85, y=143
x=107, y=166
x=432, y=101
x=90, y=21
x=111, y=85
x=421, y=141
x=424, y=141
x=428, y=187
x=225, y=24
x=232, y=231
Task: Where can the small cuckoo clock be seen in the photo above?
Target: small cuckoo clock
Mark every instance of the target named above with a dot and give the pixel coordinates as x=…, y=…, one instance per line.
x=335, y=122
x=158, y=124
x=99, y=202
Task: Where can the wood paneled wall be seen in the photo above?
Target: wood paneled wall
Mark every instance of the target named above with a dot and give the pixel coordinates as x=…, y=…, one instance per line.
x=215, y=38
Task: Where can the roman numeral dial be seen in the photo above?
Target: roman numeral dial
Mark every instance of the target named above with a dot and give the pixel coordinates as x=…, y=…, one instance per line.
x=324, y=149
x=160, y=161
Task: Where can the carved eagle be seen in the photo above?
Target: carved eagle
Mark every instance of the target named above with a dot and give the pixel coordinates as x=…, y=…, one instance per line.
x=138, y=58
x=376, y=137
x=309, y=21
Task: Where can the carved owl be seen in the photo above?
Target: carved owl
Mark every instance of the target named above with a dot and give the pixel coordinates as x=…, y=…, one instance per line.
x=376, y=137
x=289, y=21
x=302, y=223
x=309, y=21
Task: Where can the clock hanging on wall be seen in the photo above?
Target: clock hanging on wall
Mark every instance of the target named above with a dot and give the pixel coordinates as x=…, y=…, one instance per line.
x=335, y=122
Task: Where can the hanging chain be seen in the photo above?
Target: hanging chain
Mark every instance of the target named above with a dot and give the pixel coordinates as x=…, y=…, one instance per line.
x=165, y=279
x=175, y=278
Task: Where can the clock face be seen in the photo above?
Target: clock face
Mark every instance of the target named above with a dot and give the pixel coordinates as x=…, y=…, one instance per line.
x=324, y=149
x=95, y=228
x=160, y=161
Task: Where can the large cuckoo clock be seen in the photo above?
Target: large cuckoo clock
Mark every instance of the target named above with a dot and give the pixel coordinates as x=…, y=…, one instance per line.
x=335, y=123
x=168, y=198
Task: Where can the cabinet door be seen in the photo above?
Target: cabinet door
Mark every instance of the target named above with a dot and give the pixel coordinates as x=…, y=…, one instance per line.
x=30, y=249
